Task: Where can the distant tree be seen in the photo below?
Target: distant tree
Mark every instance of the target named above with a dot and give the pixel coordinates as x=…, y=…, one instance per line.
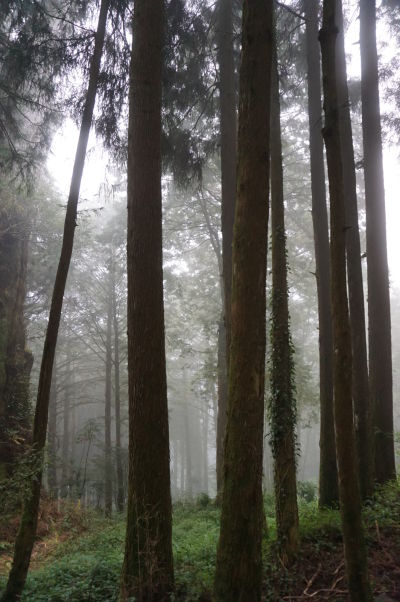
x=349, y=493
x=328, y=487
x=27, y=530
x=379, y=322
x=239, y=562
x=147, y=572
x=282, y=403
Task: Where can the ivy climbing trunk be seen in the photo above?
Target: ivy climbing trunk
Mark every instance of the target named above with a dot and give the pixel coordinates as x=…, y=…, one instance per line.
x=228, y=127
x=361, y=399
x=148, y=565
x=349, y=493
x=239, y=562
x=282, y=403
x=328, y=483
x=379, y=322
x=15, y=358
x=27, y=531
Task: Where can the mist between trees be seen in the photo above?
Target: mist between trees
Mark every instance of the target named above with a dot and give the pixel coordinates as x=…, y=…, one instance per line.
x=231, y=338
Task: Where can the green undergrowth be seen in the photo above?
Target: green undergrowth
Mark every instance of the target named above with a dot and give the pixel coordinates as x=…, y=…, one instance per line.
x=86, y=567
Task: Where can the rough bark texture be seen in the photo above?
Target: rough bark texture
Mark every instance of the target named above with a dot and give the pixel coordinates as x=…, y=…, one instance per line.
x=239, y=562
x=27, y=530
x=361, y=399
x=350, y=499
x=148, y=565
x=15, y=359
x=228, y=128
x=107, y=406
x=379, y=324
x=282, y=407
x=328, y=485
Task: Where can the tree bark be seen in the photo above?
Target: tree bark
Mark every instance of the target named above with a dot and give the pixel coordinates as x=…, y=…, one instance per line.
x=328, y=485
x=282, y=406
x=27, y=530
x=228, y=128
x=350, y=499
x=379, y=322
x=65, y=450
x=148, y=564
x=361, y=399
x=239, y=562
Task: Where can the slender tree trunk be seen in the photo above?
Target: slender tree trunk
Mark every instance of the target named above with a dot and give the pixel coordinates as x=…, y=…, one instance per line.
x=282, y=403
x=379, y=322
x=328, y=485
x=350, y=499
x=148, y=564
x=228, y=127
x=117, y=393
x=354, y=274
x=107, y=398
x=52, y=435
x=27, y=530
x=239, y=561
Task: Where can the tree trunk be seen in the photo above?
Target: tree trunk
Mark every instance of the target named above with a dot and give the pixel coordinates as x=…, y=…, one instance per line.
x=328, y=485
x=228, y=130
x=148, y=564
x=27, y=530
x=107, y=399
x=350, y=499
x=379, y=324
x=15, y=359
x=117, y=393
x=354, y=274
x=205, y=451
x=239, y=562
x=282, y=405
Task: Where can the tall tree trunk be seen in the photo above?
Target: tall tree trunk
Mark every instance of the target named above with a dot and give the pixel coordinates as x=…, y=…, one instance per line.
x=239, y=562
x=15, y=359
x=52, y=435
x=328, y=485
x=282, y=405
x=148, y=564
x=379, y=323
x=107, y=399
x=354, y=273
x=117, y=399
x=228, y=128
x=27, y=530
x=350, y=499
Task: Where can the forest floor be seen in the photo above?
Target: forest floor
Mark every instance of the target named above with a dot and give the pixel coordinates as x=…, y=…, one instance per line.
x=78, y=554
